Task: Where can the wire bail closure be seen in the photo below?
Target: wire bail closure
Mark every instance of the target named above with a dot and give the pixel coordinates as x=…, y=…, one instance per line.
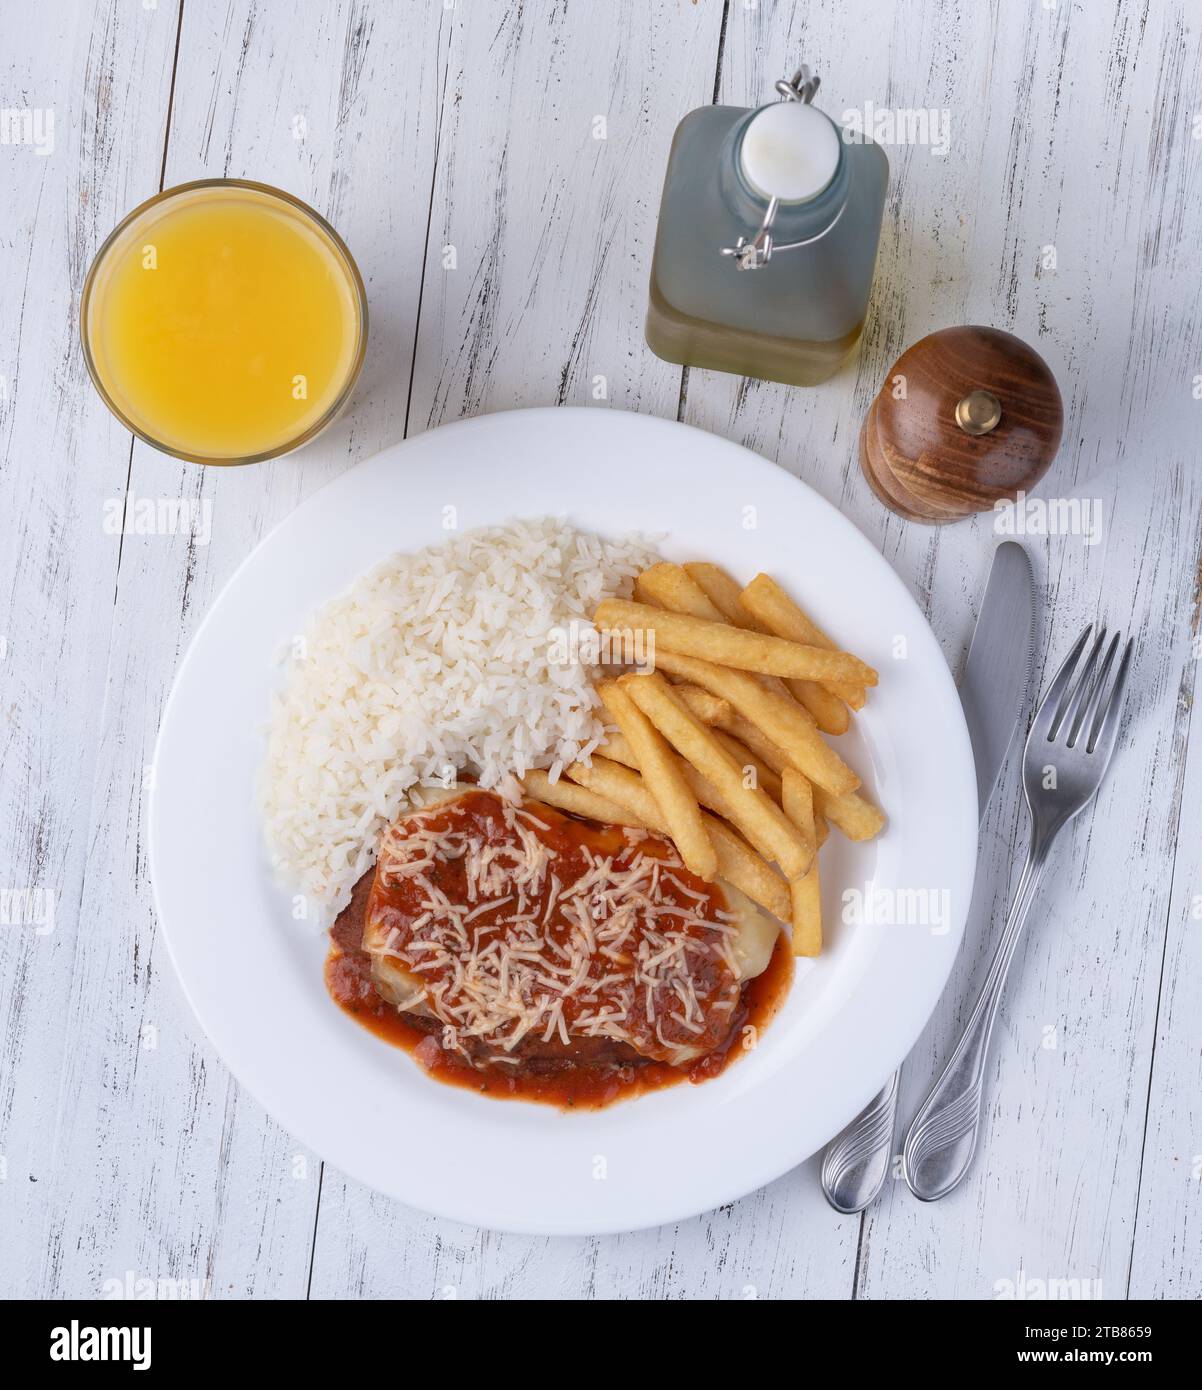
x=751, y=255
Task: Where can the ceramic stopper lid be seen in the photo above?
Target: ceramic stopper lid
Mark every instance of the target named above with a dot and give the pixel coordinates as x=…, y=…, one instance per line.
x=789, y=151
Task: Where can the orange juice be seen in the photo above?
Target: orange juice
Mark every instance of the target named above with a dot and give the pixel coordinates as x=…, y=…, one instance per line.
x=224, y=322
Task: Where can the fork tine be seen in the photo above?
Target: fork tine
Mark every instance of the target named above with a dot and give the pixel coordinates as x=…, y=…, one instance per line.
x=1087, y=714
x=1106, y=726
x=1074, y=702
x=1050, y=704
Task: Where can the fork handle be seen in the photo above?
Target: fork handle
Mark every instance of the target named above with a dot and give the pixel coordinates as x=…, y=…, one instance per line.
x=856, y=1164
x=943, y=1135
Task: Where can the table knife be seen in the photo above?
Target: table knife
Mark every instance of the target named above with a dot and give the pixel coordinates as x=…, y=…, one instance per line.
x=994, y=692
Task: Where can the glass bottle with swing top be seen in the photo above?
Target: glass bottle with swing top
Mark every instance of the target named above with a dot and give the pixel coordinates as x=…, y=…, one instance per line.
x=768, y=232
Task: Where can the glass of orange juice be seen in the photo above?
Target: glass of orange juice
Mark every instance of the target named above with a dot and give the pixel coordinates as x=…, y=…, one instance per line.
x=224, y=322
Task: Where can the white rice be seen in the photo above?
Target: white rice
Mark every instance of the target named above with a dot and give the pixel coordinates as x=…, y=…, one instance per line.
x=432, y=662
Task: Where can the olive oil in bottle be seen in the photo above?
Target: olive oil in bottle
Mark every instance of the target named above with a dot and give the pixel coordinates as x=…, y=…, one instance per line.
x=767, y=238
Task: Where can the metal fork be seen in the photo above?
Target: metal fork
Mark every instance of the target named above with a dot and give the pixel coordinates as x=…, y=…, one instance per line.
x=1067, y=752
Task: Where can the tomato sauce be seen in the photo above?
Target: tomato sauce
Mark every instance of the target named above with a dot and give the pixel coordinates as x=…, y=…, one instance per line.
x=544, y=1077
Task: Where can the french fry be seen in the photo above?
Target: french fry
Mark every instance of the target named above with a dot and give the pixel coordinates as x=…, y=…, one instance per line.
x=765, y=776
x=743, y=731
x=662, y=772
x=786, y=723
x=740, y=741
x=829, y=712
x=797, y=799
x=731, y=646
x=673, y=588
x=621, y=785
x=724, y=594
x=720, y=747
x=779, y=614
x=710, y=709
x=855, y=815
x=738, y=863
x=619, y=748
x=668, y=586
x=567, y=796
x=804, y=893
x=752, y=810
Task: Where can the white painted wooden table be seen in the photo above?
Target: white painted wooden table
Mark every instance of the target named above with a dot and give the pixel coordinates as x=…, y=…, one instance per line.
x=1068, y=209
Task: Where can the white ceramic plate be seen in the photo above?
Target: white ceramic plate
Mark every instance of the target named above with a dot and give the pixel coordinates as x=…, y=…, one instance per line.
x=254, y=977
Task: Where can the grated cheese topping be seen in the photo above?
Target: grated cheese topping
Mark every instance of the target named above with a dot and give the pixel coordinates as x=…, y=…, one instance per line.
x=527, y=929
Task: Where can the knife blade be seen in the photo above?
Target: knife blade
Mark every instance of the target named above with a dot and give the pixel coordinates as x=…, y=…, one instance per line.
x=1001, y=657
x=994, y=691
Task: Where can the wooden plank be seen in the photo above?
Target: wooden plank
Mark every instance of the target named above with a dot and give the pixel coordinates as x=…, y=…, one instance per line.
x=1166, y=1259
x=553, y=231
x=1055, y=1193
x=103, y=75
x=161, y=1166
x=556, y=130
x=1168, y=1227
x=1067, y=131
x=1066, y=1124
x=773, y=1244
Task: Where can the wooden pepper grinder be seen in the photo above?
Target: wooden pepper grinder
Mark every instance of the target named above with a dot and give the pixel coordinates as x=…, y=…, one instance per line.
x=967, y=417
